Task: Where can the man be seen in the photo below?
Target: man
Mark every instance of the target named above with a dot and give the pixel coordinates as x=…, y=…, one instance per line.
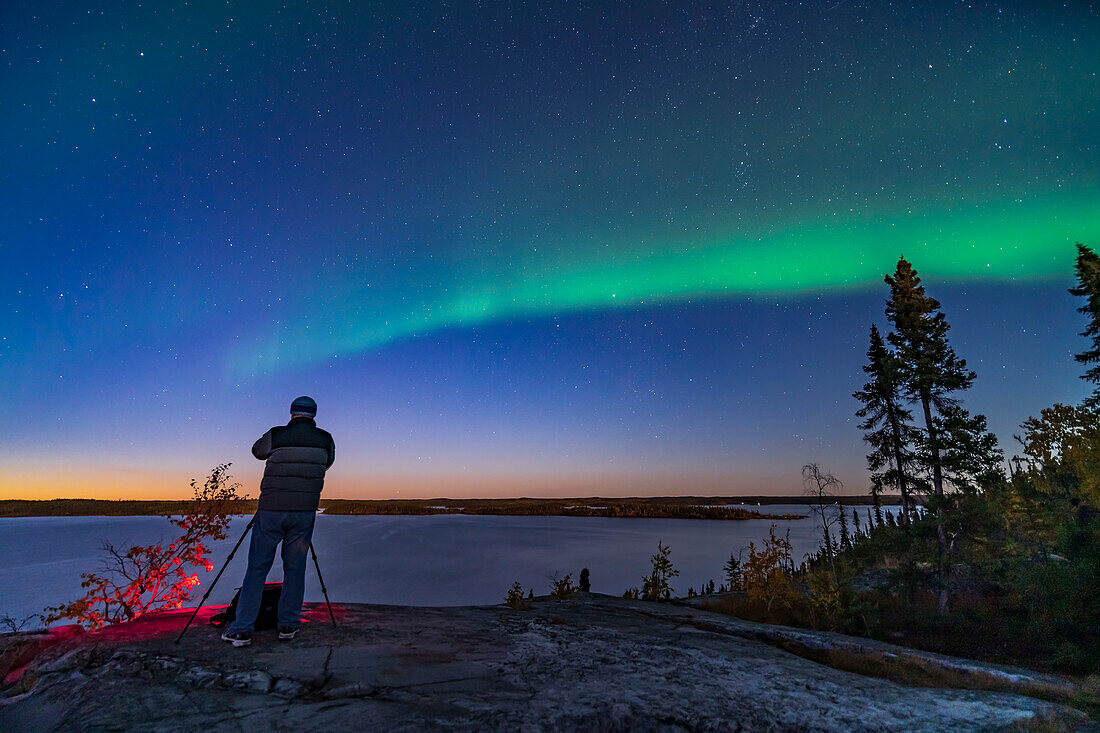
x=297, y=455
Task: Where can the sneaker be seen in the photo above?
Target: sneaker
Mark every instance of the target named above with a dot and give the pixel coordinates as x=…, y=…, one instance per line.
x=286, y=633
x=237, y=638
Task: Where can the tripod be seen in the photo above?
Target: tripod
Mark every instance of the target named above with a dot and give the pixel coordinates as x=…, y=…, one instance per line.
x=230, y=558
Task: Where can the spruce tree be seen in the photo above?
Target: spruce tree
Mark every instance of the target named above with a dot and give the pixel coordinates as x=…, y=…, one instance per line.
x=733, y=572
x=1088, y=287
x=954, y=446
x=888, y=424
x=971, y=458
x=845, y=538
x=876, y=500
x=931, y=370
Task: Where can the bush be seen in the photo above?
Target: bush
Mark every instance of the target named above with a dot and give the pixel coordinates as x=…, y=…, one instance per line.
x=562, y=588
x=516, y=599
x=766, y=576
x=655, y=586
x=154, y=577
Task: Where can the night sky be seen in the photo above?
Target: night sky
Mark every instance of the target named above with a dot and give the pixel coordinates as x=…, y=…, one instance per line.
x=523, y=248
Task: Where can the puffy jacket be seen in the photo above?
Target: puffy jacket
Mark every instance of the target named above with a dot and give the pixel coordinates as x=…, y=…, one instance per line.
x=297, y=455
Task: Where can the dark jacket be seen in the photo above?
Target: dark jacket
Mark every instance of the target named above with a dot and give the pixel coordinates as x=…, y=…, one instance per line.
x=297, y=455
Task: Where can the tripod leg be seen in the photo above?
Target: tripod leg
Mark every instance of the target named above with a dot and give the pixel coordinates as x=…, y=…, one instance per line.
x=323, y=589
x=216, y=578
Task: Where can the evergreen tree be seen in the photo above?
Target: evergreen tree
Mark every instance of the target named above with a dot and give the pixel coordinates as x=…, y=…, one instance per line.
x=1088, y=287
x=585, y=582
x=876, y=501
x=971, y=458
x=886, y=422
x=954, y=447
x=733, y=572
x=931, y=371
x=855, y=523
x=845, y=538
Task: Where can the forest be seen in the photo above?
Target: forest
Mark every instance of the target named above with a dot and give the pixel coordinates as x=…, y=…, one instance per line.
x=989, y=559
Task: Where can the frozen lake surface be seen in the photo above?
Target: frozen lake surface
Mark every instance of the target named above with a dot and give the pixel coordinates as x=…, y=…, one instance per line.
x=441, y=560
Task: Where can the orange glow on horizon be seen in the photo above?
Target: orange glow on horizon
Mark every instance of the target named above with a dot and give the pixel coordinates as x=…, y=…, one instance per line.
x=114, y=483
x=94, y=482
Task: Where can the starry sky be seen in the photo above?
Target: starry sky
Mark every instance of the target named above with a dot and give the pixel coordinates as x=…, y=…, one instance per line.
x=523, y=248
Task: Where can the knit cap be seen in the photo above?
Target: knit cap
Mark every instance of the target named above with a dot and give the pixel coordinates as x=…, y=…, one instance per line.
x=303, y=406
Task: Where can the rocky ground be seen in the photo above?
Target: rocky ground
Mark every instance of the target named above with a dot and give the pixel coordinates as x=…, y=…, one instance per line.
x=593, y=663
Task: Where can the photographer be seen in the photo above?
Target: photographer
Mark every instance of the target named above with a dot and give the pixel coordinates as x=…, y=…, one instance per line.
x=297, y=455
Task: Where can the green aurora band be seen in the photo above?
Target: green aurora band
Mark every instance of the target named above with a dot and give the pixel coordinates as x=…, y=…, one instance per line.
x=1017, y=240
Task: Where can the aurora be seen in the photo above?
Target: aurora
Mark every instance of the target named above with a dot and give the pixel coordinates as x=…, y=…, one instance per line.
x=1018, y=240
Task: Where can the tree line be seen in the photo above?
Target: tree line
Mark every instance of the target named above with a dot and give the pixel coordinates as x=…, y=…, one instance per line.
x=1014, y=545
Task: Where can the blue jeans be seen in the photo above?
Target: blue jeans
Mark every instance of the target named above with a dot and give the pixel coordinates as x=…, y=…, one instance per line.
x=295, y=531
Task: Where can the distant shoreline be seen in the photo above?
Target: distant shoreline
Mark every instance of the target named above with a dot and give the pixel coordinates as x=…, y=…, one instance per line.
x=728, y=508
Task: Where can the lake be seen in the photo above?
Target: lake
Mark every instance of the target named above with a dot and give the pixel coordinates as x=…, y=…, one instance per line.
x=440, y=560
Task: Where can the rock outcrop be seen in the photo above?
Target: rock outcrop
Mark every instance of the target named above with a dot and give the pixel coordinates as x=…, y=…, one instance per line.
x=594, y=663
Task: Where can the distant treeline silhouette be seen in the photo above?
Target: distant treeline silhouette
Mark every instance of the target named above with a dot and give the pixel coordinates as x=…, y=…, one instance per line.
x=675, y=507
x=633, y=508
x=662, y=507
